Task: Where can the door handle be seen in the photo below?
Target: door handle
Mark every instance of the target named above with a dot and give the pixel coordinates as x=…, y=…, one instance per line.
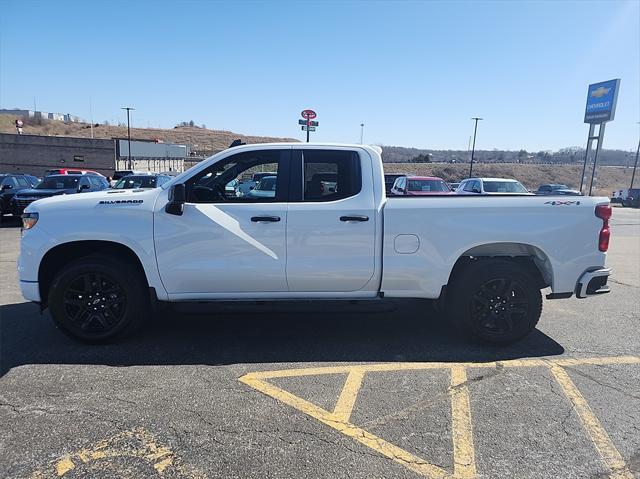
x=259, y=219
x=354, y=218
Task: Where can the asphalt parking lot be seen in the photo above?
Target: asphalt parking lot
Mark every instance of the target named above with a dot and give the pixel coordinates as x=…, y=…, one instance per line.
x=386, y=391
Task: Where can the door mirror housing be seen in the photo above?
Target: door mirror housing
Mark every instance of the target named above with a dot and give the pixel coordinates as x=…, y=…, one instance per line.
x=83, y=187
x=7, y=187
x=177, y=198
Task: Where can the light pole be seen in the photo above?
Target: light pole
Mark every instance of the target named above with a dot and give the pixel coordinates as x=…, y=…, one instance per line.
x=635, y=165
x=473, y=149
x=128, y=133
x=361, y=132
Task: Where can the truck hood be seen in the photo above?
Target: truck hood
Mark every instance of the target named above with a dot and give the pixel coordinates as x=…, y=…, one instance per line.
x=105, y=198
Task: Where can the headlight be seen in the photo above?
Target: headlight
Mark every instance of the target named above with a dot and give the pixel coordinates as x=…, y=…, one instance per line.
x=29, y=220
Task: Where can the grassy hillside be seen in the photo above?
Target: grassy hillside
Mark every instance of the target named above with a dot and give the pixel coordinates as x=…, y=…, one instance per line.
x=202, y=140
x=609, y=178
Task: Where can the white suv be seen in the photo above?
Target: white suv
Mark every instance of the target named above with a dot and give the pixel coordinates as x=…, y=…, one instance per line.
x=491, y=186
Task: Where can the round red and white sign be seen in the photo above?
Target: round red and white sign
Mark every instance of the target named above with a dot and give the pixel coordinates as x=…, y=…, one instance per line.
x=308, y=114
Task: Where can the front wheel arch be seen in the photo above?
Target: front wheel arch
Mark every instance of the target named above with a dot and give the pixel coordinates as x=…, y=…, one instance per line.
x=59, y=256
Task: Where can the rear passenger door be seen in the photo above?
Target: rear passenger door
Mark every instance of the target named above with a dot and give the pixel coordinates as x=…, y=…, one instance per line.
x=330, y=222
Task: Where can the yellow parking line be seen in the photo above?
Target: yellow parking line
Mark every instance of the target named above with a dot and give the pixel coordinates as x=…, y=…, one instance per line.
x=347, y=398
x=384, y=367
x=462, y=430
x=376, y=443
x=608, y=452
x=464, y=462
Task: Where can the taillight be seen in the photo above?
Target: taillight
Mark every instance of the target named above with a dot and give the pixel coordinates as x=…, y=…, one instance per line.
x=604, y=213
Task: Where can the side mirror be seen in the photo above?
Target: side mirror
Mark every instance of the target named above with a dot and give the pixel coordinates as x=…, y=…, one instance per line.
x=177, y=197
x=7, y=187
x=251, y=187
x=83, y=187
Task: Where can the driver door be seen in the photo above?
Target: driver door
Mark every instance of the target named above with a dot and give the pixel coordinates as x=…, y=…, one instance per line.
x=226, y=245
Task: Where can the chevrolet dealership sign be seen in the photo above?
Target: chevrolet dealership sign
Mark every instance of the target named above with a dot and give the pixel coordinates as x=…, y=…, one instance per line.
x=601, y=101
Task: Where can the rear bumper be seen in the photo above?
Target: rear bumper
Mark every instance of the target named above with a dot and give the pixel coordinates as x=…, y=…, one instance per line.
x=593, y=282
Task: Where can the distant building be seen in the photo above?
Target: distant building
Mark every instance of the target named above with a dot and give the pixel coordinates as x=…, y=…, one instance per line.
x=69, y=118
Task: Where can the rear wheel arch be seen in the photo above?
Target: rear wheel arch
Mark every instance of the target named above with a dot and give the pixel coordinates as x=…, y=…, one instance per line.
x=531, y=258
x=61, y=255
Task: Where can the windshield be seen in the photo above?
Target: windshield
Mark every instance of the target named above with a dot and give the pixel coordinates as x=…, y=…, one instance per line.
x=504, y=187
x=135, y=182
x=267, y=184
x=58, y=183
x=427, y=185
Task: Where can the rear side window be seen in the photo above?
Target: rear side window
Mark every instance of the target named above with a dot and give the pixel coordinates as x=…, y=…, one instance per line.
x=330, y=175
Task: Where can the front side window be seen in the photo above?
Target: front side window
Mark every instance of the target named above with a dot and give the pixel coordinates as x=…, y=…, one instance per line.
x=252, y=176
x=468, y=186
x=331, y=175
x=22, y=182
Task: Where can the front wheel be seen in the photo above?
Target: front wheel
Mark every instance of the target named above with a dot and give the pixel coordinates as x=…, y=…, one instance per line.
x=494, y=300
x=96, y=299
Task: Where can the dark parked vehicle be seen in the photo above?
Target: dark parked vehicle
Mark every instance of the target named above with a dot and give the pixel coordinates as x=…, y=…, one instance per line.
x=141, y=181
x=556, y=189
x=54, y=185
x=633, y=198
x=10, y=184
x=390, y=179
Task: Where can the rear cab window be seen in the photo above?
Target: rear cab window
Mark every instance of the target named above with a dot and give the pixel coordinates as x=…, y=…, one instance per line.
x=330, y=175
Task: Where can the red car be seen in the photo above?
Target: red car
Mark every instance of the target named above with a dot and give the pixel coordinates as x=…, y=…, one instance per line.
x=70, y=171
x=420, y=186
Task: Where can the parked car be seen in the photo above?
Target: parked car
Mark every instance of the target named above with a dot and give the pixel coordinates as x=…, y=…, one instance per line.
x=491, y=186
x=633, y=198
x=390, y=179
x=265, y=188
x=244, y=186
x=187, y=244
x=147, y=180
x=556, y=189
x=54, y=185
x=70, y=171
x=10, y=184
x=419, y=186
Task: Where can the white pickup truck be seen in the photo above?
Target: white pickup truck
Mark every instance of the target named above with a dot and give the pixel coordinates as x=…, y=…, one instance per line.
x=101, y=262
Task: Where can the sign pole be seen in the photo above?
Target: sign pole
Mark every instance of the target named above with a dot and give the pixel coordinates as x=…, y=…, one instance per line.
x=308, y=127
x=592, y=127
x=595, y=158
x=635, y=165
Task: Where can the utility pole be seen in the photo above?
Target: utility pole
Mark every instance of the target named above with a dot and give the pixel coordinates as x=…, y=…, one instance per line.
x=361, y=133
x=635, y=165
x=473, y=149
x=128, y=134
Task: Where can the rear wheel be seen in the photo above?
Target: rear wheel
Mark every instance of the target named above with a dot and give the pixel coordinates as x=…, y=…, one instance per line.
x=495, y=300
x=96, y=299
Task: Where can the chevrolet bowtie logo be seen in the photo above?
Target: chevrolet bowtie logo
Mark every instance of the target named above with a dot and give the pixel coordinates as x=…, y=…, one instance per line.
x=600, y=92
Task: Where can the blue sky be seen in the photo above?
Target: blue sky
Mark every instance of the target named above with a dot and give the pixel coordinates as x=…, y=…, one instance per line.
x=413, y=72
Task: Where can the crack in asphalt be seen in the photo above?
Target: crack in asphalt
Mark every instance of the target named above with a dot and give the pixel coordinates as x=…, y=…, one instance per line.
x=421, y=403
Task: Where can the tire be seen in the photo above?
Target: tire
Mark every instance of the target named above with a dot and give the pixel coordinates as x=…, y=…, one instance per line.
x=116, y=295
x=495, y=300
